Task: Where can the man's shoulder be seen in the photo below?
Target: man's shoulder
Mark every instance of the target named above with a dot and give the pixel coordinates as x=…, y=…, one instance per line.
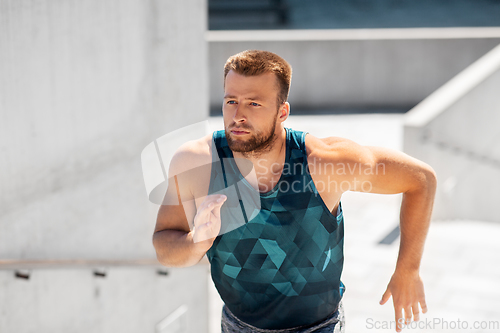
x=192, y=154
x=315, y=145
x=333, y=148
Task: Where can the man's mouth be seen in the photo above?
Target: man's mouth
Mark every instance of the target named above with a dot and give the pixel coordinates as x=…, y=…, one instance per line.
x=237, y=131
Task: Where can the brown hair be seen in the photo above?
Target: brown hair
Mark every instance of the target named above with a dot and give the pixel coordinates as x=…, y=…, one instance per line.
x=256, y=62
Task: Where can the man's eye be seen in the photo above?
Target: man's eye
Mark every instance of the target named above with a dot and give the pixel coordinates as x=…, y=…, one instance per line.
x=231, y=102
x=254, y=104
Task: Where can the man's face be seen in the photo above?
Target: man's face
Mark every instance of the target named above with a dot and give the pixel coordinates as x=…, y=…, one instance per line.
x=250, y=111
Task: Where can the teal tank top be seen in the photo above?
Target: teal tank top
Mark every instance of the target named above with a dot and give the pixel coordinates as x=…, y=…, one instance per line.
x=276, y=265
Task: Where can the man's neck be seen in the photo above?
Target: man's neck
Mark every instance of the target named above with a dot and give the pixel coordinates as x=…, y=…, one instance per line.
x=268, y=165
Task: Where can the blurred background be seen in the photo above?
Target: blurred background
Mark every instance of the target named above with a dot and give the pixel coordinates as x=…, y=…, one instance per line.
x=350, y=14
x=86, y=85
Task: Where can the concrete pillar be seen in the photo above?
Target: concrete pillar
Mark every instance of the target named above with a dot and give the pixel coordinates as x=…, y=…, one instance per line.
x=85, y=85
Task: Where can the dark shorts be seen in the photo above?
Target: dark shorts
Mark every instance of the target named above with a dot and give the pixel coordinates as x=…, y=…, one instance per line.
x=331, y=324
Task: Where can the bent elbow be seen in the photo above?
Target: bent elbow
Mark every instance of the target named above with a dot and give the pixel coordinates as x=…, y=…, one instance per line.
x=431, y=179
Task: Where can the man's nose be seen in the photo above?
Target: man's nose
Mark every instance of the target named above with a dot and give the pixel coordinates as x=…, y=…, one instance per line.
x=239, y=115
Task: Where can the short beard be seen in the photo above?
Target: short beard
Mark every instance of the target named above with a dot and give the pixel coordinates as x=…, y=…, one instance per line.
x=256, y=145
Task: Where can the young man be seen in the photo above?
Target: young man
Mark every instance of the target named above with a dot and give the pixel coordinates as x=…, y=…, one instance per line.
x=278, y=268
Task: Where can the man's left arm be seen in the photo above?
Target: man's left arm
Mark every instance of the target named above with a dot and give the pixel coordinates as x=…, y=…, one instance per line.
x=390, y=172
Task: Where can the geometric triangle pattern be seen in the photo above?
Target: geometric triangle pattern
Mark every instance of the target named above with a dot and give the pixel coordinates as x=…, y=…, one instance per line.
x=281, y=267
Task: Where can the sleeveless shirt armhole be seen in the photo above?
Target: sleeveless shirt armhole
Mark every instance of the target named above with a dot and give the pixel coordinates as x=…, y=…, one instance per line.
x=339, y=213
x=303, y=142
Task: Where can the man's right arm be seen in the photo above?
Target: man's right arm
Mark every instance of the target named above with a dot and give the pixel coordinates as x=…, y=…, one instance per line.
x=177, y=244
x=174, y=245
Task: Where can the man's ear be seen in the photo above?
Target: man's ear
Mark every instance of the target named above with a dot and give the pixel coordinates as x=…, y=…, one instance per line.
x=284, y=111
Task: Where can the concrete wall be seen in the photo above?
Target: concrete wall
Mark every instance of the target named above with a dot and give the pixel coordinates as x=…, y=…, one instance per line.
x=125, y=300
x=84, y=87
x=456, y=131
x=387, y=68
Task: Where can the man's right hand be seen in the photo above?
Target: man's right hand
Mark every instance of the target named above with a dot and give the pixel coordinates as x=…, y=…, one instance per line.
x=207, y=221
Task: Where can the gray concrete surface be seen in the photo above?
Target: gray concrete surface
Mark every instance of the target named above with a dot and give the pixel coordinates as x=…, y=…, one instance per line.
x=357, y=69
x=459, y=266
x=126, y=299
x=84, y=87
x=456, y=129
